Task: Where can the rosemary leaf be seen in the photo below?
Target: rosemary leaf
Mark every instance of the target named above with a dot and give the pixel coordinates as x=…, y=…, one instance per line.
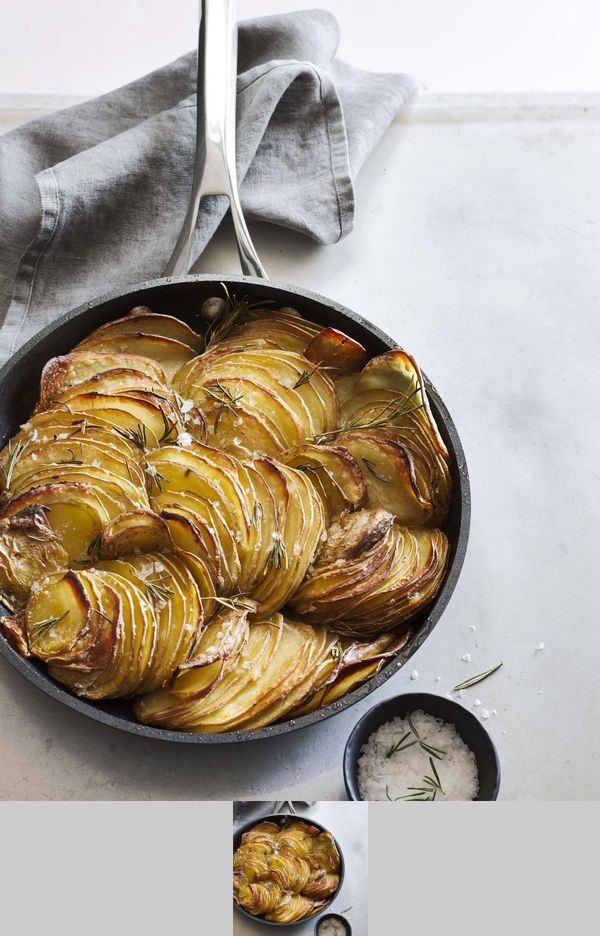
x=371, y=467
x=257, y=514
x=479, y=678
x=14, y=453
x=36, y=630
x=306, y=375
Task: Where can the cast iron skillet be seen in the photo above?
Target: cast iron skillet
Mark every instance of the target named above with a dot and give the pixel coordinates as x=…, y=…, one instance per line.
x=183, y=296
x=282, y=819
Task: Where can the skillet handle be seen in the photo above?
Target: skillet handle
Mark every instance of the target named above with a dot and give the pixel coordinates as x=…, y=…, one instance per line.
x=214, y=167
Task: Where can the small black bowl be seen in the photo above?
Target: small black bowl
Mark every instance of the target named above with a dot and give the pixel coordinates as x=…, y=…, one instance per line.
x=282, y=819
x=467, y=725
x=333, y=916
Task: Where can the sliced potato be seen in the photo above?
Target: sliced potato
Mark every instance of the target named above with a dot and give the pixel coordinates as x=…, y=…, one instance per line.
x=337, y=351
x=61, y=373
x=144, y=320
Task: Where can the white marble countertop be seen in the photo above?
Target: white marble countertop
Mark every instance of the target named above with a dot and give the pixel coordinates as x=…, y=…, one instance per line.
x=348, y=823
x=476, y=246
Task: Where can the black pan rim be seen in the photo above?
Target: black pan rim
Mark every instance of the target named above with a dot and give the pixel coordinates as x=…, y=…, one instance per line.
x=462, y=492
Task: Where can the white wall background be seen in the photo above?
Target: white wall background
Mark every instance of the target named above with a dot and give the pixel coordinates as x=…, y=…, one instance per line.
x=90, y=46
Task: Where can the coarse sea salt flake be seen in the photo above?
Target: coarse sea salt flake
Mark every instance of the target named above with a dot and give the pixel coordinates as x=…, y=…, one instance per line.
x=383, y=778
x=466, y=657
x=414, y=675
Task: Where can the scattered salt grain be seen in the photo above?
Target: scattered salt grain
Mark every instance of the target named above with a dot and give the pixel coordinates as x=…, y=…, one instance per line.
x=494, y=711
x=477, y=702
x=485, y=713
x=466, y=657
x=472, y=627
x=184, y=438
x=186, y=406
x=382, y=778
x=539, y=647
x=414, y=675
x=438, y=678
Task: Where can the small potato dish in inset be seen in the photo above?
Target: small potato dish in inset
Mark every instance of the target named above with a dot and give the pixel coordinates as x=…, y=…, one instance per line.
x=285, y=870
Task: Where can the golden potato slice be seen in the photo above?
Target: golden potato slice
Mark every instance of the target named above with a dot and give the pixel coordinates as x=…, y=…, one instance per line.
x=285, y=671
x=75, y=514
x=335, y=474
x=143, y=320
x=77, y=451
x=134, y=531
x=170, y=353
x=249, y=665
x=336, y=350
x=61, y=373
x=203, y=508
x=389, y=475
x=57, y=617
x=218, y=647
x=29, y=550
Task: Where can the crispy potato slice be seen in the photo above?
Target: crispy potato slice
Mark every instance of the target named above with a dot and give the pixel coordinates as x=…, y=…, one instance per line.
x=170, y=353
x=389, y=475
x=61, y=373
x=74, y=512
x=134, y=531
x=205, y=511
x=69, y=452
x=249, y=665
x=217, y=648
x=285, y=671
x=336, y=350
x=143, y=320
x=29, y=550
x=335, y=474
x=58, y=615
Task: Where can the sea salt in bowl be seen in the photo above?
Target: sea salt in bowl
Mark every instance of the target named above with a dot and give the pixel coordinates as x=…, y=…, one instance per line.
x=323, y=925
x=468, y=727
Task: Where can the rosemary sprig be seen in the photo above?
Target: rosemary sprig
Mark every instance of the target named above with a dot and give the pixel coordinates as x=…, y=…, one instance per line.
x=81, y=426
x=383, y=418
x=305, y=376
x=72, y=460
x=93, y=550
x=102, y=615
x=155, y=478
x=156, y=590
x=371, y=467
x=223, y=396
x=257, y=514
x=13, y=455
x=277, y=556
x=308, y=467
x=239, y=602
x=399, y=745
x=36, y=630
x=170, y=427
x=479, y=678
x=137, y=435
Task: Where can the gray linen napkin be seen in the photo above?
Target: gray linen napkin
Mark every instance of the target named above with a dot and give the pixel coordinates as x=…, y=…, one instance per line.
x=92, y=197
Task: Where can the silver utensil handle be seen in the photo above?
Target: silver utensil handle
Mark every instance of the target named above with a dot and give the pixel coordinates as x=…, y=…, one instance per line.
x=214, y=167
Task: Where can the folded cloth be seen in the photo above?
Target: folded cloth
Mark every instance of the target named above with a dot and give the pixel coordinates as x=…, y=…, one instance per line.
x=92, y=197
